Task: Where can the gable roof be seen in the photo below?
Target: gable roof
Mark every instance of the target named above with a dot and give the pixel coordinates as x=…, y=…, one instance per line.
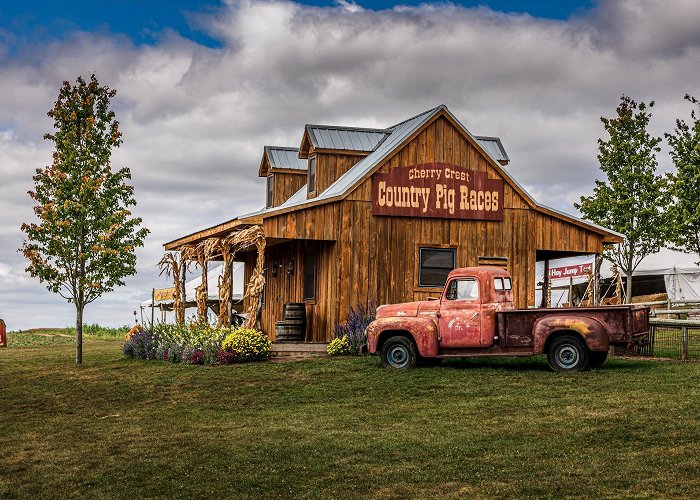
x=281, y=158
x=398, y=135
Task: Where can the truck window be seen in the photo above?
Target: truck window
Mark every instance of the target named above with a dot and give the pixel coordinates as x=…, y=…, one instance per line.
x=498, y=284
x=508, y=284
x=463, y=289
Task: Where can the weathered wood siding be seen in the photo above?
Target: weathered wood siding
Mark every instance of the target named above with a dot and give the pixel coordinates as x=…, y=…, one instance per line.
x=284, y=185
x=331, y=166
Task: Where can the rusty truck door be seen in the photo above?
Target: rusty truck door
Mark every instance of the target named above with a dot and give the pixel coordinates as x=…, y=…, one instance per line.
x=460, y=315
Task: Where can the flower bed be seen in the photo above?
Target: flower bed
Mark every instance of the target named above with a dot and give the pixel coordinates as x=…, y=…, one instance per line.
x=198, y=344
x=351, y=335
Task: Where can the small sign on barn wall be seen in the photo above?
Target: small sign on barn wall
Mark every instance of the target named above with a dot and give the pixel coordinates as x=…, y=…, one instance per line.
x=437, y=190
x=575, y=271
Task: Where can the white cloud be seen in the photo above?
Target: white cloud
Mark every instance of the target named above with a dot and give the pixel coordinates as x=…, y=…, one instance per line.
x=195, y=119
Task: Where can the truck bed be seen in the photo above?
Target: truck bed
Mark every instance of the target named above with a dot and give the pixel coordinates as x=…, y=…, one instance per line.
x=623, y=323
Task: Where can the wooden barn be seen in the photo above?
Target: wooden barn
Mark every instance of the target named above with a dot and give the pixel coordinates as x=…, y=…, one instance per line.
x=358, y=216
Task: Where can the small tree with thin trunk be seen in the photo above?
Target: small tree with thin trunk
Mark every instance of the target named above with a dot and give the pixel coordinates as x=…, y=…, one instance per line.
x=633, y=197
x=684, y=213
x=83, y=243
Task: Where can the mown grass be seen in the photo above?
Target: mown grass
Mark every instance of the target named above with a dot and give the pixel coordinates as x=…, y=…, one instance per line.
x=60, y=336
x=340, y=428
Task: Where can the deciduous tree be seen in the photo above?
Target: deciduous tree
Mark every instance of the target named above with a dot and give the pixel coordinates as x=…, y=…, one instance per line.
x=83, y=243
x=684, y=212
x=632, y=198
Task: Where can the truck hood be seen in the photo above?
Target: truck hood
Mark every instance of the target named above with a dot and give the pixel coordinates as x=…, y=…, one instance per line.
x=406, y=309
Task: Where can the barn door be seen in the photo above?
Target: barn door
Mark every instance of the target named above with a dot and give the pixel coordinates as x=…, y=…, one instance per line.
x=283, y=290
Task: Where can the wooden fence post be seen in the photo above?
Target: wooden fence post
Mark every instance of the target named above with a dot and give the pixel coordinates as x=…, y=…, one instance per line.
x=684, y=343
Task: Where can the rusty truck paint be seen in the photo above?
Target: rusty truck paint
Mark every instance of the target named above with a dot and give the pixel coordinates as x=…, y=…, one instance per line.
x=505, y=330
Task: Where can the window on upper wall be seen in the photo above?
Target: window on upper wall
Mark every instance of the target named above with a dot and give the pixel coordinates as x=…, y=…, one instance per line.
x=435, y=265
x=310, y=276
x=311, y=183
x=270, y=184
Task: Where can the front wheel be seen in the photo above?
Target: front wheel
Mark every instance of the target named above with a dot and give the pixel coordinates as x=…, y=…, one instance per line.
x=568, y=354
x=398, y=352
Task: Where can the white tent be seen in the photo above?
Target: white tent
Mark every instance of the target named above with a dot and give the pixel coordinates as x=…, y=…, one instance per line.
x=682, y=283
x=213, y=276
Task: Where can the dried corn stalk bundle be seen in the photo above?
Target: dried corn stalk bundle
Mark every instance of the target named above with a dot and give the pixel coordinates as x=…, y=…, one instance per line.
x=171, y=265
x=225, y=285
x=201, y=292
x=587, y=299
x=619, y=295
x=246, y=238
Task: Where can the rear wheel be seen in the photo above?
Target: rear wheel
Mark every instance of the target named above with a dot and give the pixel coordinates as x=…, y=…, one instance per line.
x=568, y=354
x=597, y=358
x=398, y=352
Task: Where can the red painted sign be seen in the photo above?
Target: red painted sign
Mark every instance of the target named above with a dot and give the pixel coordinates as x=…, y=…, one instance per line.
x=437, y=190
x=570, y=271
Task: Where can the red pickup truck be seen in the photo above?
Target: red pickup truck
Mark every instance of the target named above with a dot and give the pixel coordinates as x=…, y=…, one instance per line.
x=475, y=317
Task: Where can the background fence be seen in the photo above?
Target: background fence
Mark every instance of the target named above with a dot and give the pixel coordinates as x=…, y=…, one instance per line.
x=669, y=338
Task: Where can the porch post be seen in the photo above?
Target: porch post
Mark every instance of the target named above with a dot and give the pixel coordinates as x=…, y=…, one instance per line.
x=597, y=299
x=545, y=286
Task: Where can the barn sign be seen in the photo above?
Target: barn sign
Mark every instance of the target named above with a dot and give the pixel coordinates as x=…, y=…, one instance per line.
x=437, y=190
x=570, y=271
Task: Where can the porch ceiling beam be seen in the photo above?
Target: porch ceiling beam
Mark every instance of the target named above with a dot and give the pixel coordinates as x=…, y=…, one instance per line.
x=218, y=230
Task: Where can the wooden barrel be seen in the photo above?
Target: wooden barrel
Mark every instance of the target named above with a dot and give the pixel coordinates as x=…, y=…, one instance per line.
x=289, y=331
x=295, y=311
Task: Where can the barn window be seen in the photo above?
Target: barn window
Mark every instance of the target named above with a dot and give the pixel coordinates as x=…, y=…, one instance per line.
x=311, y=184
x=270, y=183
x=310, y=276
x=435, y=265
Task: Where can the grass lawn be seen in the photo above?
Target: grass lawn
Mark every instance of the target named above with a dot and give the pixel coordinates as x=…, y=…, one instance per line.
x=341, y=428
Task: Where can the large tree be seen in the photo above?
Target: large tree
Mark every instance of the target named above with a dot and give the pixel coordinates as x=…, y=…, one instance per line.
x=83, y=243
x=632, y=198
x=684, y=212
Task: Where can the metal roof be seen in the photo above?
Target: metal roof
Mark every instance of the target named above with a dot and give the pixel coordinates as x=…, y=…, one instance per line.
x=347, y=138
x=282, y=157
x=493, y=146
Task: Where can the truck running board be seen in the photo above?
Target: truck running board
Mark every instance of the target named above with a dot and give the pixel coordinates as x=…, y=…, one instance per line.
x=473, y=353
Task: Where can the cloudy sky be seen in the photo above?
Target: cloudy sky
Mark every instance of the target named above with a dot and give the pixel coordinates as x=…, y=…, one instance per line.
x=203, y=86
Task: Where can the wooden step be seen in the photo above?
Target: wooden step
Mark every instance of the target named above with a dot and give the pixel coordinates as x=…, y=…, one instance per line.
x=298, y=349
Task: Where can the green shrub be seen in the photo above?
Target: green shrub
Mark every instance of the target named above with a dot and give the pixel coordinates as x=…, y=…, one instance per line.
x=247, y=344
x=339, y=346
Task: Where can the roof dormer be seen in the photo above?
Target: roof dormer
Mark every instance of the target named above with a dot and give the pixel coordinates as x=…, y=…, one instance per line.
x=494, y=147
x=340, y=140
x=285, y=174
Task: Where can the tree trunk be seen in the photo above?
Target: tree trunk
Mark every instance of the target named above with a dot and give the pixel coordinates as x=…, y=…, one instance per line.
x=79, y=335
x=628, y=288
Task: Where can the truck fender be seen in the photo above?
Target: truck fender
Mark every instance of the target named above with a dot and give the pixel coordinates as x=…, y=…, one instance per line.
x=423, y=331
x=590, y=329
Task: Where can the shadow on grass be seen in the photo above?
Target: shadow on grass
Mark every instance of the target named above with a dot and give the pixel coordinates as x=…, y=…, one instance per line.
x=536, y=364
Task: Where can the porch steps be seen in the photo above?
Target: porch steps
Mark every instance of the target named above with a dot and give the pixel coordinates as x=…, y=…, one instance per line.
x=298, y=350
